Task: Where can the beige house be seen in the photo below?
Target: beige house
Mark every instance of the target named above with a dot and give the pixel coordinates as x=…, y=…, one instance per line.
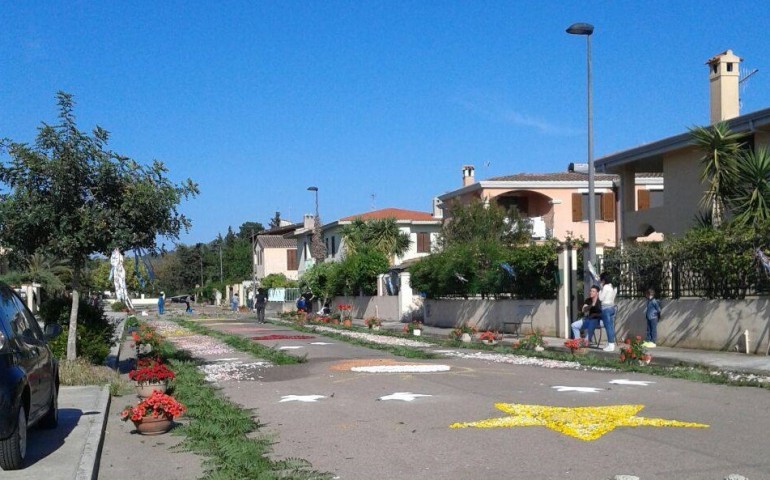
x=556, y=204
x=275, y=253
x=676, y=159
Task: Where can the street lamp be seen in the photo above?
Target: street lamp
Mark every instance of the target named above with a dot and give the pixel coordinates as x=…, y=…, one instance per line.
x=587, y=29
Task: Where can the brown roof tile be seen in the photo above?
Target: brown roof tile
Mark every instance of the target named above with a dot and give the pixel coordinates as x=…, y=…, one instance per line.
x=397, y=213
x=276, y=241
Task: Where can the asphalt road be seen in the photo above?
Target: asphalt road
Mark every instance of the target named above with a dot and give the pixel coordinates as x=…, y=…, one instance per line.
x=350, y=431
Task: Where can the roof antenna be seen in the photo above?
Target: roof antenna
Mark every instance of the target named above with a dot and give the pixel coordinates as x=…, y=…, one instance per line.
x=373, y=196
x=745, y=75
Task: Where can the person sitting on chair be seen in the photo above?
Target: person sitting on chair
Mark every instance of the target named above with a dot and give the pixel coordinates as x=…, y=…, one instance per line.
x=592, y=314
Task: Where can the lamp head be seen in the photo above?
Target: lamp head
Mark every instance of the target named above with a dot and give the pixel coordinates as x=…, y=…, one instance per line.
x=580, y=29
x=313, y=189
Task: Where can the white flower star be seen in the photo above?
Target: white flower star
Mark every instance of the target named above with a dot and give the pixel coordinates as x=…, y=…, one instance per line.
x=402, y=368
x=623, y=381
x=561, y=388
x=321, y=343
x=289, y=347
x=405, y=396
x=301, y=398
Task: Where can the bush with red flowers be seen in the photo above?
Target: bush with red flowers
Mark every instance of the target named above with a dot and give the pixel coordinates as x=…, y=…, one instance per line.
x=151, y=370
x=576, y=344
x=634, y=352
x=490, y=336
x=157, y=405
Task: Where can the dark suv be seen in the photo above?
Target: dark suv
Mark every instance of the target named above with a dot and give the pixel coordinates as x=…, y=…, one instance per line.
x=29, y=378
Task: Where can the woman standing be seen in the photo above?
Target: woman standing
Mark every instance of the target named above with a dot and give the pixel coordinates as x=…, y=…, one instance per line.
x=607, y=297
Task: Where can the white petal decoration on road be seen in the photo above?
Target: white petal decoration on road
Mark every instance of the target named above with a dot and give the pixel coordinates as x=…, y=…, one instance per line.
x=402, y=369
x=321, y=343
x=289, y=347
x=404, y=396
x=301, y=398
x=623, y=381
x=561, y=388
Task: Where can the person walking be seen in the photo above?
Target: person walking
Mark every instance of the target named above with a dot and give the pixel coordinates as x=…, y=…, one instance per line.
x=260, y=302
x=652, y=314
x=235, y=302
x=161, y=303
x=607, y=296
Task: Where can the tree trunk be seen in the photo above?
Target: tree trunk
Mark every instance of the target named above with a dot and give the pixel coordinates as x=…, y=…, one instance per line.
x=72, y=335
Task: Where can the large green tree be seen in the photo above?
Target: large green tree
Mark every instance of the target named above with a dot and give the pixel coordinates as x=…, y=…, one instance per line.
x=70, y=196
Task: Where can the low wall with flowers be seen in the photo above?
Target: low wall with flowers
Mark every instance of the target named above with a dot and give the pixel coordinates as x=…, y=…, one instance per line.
x=492, y=314
x=702, y=324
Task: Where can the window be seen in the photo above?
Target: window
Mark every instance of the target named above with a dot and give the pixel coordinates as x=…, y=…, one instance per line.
x=334, y=245
x=604, y=206
x=649, y=199
x=291, y=259
x=423, y=242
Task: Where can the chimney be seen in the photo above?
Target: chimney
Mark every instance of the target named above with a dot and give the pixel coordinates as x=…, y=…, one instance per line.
x=468, y=175
x=438, y=208
x=723, y=86
x=308, y=221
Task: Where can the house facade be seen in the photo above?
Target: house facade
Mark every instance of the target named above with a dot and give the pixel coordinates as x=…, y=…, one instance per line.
x=421, y=227
x=673, y=211
x=556, y=204
x=275, y=253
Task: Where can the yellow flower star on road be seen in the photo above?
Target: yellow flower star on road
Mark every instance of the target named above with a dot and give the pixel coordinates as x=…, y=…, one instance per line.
x=585, y=423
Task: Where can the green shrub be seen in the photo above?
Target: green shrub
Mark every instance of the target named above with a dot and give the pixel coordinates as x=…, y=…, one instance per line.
x=95, y=332
x=118, y=306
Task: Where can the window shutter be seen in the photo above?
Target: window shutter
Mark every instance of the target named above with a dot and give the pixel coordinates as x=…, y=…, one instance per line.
x=643, y=199
x=608, y=207
x=291, y=259
x=577, y=207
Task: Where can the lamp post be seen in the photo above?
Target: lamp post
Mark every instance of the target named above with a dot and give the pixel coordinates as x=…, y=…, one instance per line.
x=587, y=29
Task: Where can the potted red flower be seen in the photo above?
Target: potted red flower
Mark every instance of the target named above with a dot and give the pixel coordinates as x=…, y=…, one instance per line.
x=490, y=337
x=577, y=346
x=153, y=415
x=150, y=375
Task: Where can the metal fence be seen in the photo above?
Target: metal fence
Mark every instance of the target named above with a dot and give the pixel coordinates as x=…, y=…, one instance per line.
x=685, y=279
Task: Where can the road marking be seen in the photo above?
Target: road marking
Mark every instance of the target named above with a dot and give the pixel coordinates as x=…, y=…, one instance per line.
x=584, y=423
x=561, y=388
x=289, y=347
x=301, y=398
x=401, y=369
x=623, y=381
x=404, y=396
x=321, y=343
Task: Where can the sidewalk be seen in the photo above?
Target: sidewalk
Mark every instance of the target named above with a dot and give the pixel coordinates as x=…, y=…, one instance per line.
x=666, y=356
x=72, y=450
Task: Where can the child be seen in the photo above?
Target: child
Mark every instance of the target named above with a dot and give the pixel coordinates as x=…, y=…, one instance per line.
x=652, y=313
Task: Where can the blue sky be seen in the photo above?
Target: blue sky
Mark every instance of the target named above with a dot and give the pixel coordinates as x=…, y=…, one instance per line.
x=379, y=104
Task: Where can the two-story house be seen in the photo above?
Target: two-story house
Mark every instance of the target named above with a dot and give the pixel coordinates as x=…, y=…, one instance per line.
x=421, y=227
x=676, y=159
x=274, y=252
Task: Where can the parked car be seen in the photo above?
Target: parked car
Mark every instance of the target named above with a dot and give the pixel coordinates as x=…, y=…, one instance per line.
x=29, y=378
x=181, y=298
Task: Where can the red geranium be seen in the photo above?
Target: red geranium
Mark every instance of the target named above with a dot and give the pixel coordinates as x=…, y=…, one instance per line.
x=156, y=406
x=151, y=370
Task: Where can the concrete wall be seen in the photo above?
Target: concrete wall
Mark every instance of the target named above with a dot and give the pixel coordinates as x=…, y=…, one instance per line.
x=702, y=324
x=385, y=308
x=490, y=314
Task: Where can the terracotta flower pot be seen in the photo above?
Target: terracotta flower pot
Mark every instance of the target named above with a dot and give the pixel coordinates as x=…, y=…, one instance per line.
x=144, y=390
x=347, y=323
x=153, y=426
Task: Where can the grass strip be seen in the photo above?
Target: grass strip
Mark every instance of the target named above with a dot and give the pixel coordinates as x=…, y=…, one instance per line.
x=225, y=434
x=695, y=373
x=243, y=344
x=398, y=350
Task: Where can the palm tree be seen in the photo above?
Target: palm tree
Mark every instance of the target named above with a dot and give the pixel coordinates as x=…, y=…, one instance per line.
x=750, y=198
x=382, y=235
x=720, y=147
x=52, y=273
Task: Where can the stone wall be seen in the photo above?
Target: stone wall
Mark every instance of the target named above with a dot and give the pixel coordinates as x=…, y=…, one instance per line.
x=490, y=314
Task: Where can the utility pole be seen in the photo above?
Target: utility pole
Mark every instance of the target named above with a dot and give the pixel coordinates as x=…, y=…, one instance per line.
x=221, y=276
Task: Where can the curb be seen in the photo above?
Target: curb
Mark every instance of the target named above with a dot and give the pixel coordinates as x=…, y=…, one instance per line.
x=88, y=468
